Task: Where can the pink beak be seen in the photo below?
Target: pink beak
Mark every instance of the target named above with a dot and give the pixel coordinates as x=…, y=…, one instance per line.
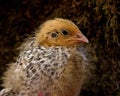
x=81, y=38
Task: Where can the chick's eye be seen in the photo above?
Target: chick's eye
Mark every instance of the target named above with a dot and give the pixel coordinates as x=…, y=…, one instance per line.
x=53, y=35
x=64, y=32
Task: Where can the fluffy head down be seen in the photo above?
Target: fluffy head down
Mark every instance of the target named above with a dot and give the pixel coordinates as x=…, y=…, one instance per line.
x=59, y=32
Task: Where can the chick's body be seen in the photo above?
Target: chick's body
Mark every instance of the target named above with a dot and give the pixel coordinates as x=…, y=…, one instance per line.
x=47, y=65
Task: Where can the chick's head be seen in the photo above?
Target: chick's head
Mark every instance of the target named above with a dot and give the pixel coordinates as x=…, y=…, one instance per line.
x=59, y=32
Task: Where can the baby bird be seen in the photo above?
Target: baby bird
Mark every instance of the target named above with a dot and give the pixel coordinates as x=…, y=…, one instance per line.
x=49, y=64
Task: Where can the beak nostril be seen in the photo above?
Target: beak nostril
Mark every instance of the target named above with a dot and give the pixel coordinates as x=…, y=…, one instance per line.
x=78, y=36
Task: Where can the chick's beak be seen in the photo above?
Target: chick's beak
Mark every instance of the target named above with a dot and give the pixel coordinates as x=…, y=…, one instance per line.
x=81, y=38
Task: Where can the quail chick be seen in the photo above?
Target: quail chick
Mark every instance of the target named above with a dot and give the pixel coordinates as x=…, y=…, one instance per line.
x=49, y=64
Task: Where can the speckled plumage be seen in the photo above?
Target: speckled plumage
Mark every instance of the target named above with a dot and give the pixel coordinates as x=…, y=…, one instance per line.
x=53, y=71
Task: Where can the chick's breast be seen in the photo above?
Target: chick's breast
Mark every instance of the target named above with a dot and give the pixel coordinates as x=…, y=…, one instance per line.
x=41, y=66
x=54, y=71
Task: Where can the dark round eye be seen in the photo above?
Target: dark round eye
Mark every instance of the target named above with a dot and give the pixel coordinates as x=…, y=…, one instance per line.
x=53, y=35
x=64, y=32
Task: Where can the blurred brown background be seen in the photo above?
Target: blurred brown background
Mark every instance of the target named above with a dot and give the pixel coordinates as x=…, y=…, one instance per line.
x=99, y=20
